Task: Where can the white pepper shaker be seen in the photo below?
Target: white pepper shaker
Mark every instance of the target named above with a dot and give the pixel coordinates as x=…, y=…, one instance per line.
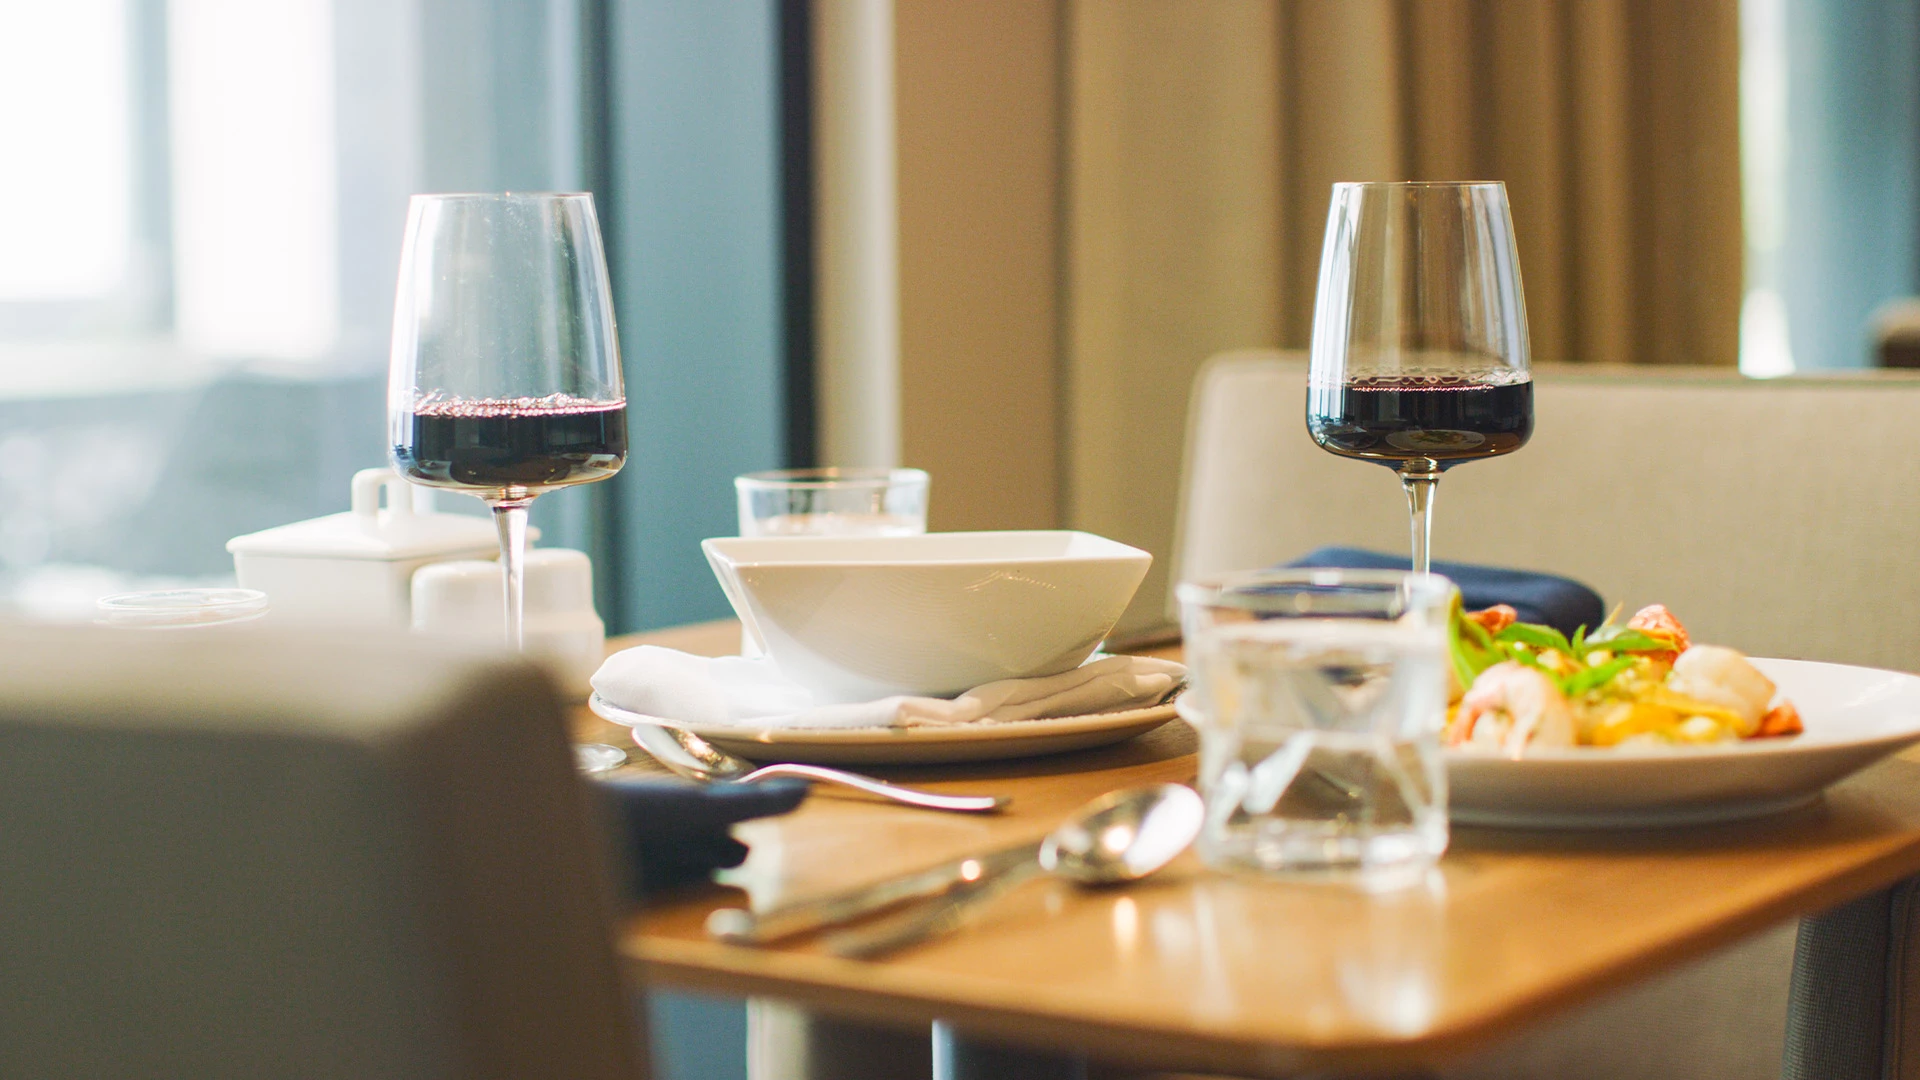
x=464, y=598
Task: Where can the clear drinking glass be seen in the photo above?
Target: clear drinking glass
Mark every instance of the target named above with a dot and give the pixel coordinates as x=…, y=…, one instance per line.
x=833, y=502
x=1319, y=697
x=1420, y=356
x=828, y=501
x=505, y=378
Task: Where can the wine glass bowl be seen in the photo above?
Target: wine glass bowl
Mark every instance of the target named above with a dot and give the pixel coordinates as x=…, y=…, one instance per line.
x=505, y=361
x=505, y=364
x=1420, y=359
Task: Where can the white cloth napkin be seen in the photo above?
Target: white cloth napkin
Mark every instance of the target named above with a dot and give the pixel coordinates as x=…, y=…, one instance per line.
x=674, y=685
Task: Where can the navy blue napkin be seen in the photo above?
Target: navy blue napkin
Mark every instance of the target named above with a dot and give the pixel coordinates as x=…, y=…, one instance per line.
x=672, y=832
x=1562, y=603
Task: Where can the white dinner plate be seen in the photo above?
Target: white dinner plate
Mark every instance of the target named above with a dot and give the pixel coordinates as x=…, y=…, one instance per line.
x=1854, y=716
x=916, y=745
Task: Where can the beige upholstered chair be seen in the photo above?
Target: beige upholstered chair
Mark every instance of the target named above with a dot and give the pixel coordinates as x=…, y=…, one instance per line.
x=1782, y=517
x=256, y=856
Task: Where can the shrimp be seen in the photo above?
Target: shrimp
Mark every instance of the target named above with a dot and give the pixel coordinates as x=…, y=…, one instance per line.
x=1511, y=706
x=1722, y=677
x=1658, y=623
x=1493, y=619
x=1784, y=719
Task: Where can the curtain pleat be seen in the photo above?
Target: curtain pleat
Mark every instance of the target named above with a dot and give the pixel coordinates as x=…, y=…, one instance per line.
x=1599, y=194
x=1685, y=144
x=1175, y=199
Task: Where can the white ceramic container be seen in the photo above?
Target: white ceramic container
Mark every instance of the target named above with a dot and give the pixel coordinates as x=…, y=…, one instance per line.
x=860, y=618
x=466, y=599
x=356, y=567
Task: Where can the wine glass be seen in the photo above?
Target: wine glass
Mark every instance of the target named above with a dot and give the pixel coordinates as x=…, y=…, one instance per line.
x=1419, y=335
x=505, y=378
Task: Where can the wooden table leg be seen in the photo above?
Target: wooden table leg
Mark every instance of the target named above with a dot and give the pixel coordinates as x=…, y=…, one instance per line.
x=958, y=1056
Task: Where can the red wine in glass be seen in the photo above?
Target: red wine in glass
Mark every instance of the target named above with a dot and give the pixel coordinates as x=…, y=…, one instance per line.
x=1422, y=423
x=526, y=445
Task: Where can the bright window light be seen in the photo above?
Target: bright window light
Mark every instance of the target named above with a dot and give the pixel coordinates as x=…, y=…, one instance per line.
x=66, y=213
x=1765, y=351
x=1766, y=348
x=256, y=257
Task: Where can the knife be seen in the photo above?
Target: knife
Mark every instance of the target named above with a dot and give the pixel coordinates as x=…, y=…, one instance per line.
x=743, y=927
x=933, y=918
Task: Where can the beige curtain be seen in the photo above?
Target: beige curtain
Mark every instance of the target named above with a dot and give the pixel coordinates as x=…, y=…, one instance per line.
x=1202, y=138
x=1173, y=218
x=1613, y=122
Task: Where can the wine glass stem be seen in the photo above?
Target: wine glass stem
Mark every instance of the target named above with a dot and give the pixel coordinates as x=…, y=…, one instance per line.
x=510, y=517
x=1420, y=505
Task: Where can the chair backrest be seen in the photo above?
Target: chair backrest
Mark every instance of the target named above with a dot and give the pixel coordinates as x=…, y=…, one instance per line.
x=1781, y=516
x=252, y=855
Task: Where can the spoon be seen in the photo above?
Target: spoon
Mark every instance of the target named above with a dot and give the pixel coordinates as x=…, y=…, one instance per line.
x=591, y=758
x=689, y=755
x=1119, y=837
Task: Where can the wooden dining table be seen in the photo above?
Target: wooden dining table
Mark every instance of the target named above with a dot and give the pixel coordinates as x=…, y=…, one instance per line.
x=1197, y=970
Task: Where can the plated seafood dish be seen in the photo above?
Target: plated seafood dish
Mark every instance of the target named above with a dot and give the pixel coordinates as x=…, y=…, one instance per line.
x=1521, y=686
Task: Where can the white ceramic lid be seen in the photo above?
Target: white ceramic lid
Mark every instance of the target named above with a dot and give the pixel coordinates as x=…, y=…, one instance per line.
x=368, y=531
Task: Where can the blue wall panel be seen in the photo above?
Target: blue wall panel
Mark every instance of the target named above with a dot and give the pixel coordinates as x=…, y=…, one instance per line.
x=1853, y=176
x=696, y=1037
x=694, y=223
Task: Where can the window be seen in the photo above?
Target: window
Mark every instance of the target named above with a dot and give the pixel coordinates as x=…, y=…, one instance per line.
x=200, y=226
x=1830, y=126
x=198, y=231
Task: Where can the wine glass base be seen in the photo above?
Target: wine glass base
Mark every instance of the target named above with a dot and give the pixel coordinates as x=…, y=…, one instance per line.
x=598, y=757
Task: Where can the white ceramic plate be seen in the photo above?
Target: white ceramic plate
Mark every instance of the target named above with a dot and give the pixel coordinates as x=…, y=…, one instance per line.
x=1854, y=716
x=916, y=745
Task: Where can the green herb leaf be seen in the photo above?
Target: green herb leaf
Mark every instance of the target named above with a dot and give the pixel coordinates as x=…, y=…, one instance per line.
x=1465, y=667
x=1580, y=641
x=1621, y=639
x=1540, y=637
x=1598, y=675
x=1473, y=649
x=1530, y=659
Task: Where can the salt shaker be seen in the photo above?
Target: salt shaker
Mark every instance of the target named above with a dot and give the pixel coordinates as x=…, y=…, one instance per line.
x=464, y=599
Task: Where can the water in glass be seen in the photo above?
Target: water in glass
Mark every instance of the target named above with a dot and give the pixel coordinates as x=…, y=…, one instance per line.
x=1319, y=748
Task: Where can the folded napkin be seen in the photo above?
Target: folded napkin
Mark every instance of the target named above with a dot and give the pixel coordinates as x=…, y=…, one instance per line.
x=736, y=690
x=670, y=833
x=1562, y=603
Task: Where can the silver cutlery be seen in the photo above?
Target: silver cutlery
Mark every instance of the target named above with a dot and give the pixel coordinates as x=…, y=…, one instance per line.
x=1119, y=837
x=687, y=754
x=743, y=927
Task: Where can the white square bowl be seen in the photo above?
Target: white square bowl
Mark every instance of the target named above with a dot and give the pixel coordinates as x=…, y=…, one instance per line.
x=860, y=618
